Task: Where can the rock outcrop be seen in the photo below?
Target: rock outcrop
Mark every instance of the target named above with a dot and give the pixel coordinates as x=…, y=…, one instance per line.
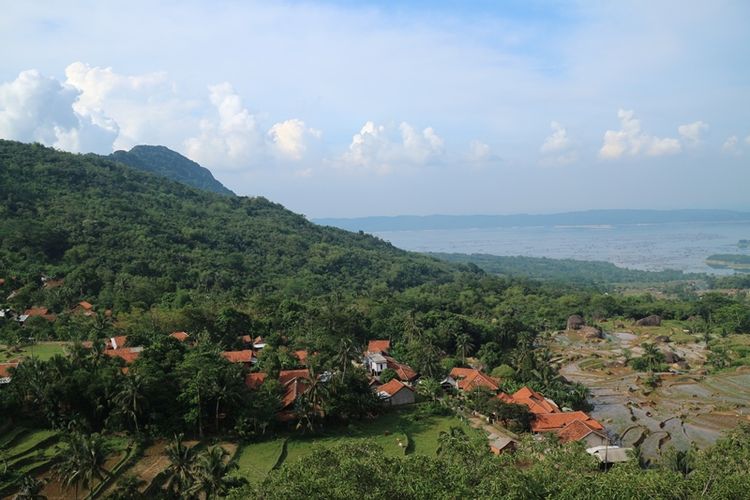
x=652, y=320
x=575, y=322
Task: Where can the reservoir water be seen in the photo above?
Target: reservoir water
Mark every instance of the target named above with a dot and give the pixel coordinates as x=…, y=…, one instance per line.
x=649, y=247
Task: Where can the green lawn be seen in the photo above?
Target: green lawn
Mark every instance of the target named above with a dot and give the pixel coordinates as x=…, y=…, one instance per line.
x=41, y=350
x=255, y=460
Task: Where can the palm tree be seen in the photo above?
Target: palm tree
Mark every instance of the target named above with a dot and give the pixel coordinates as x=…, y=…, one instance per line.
x=210, y=471
x=83, y=462
x=347, y=352
x=464, y=345
x=653, y=356
x=311, y=402
x=180, y=476
x=130, y=398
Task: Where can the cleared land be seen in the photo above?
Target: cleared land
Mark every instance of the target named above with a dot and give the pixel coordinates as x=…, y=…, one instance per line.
x=41, y=350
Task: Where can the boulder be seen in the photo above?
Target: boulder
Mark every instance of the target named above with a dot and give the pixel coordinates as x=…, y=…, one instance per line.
x=662, y=338
x=671, y=357
x=575, y=322
x=652, y=320
x=591, y=332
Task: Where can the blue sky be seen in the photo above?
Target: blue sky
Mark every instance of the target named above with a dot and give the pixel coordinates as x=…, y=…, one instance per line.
x=379, y=108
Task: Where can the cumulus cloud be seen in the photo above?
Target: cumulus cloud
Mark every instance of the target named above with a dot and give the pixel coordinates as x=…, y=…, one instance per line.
x=691, y=133
x=479, y=151
x=38, y=108
x=231, y=138
x=290, y=139
x=376, y=147
x=558, y=148
x=632, y=141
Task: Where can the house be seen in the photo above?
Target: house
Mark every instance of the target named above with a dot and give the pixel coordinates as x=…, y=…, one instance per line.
x=537, y=403
x=467, y=379
x=296, y=383
x=255, y=380
x=117, y=342
x=610, y=454
x=375, y=363
x=396, y=393
x=501, y=444
x=33, y=312
x=404, y=372
x=180, y=336
x=577, y=430
x=259, y=343
x=246, y=356
x=555, y=422
x=5, y=369
x=378, y=346
x=128, y=354
x=85, y=308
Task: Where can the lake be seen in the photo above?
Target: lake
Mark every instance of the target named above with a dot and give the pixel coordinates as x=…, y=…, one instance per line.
x=649, y=247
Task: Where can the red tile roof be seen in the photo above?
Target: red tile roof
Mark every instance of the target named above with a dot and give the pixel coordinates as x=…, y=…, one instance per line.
x=36, y=311
x=5, y=369
x=393, y=387
x=255, y=380
x=244, y=356
x=404, y=372
x=544, y=422
x=126, y=353
x=505, y=398
x=246, y=339
x=379, y=346
x=181, y=336
x=469, y=378
x=535, y=401
x=575, y=431
x=287, y=375
x=87, y=306
x=117, y=342
x=292, y=390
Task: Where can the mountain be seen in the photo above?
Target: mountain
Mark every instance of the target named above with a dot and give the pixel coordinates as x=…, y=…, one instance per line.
x=584, y=218
x=172, y=165
x=122, y=237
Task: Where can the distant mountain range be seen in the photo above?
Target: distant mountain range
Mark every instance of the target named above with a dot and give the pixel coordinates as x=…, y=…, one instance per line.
x=163, y=161
x=584, y=218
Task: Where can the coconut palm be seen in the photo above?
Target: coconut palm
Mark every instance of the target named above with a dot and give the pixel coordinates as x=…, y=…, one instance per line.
x=83, y=461
x=130, y=398
x=464, y=345
x=346, y=352
x=30, y=489
x=652, y=356
x=429, y=388
x=180, y=476
x=210, y=472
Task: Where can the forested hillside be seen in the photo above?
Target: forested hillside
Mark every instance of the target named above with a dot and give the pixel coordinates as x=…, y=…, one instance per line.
x=172, y=165
x=123, y=238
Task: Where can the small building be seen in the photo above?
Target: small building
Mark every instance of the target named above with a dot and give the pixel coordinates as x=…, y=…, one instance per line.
x=466, y=379
x=128, y=354
x=180, y=336
x=611, y=454
x=378, y=346
x=555, y=422
x=396, y=393
x=34, y=312
x=376, y=363
x=117, y=342
x=404, y=372
x=5, y=369
x=85, y=308
x=245, y=356
x=501, y=444
x=536, y=403
x=578, y=431
x=255, y=380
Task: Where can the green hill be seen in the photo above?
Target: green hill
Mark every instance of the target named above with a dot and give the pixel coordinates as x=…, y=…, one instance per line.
x=125, y=238
x=172, y=165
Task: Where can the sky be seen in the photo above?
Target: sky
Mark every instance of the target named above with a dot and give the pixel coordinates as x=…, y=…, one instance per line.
x=346, y=109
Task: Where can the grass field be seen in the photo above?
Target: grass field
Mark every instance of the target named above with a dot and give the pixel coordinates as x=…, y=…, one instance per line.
x=255, y=460
x=41, y=350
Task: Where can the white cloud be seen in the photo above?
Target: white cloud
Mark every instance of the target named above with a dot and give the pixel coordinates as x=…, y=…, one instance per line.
x=731, y=145
x=143, y=108
x=691, y=133
x=290, y=139
x=375, y=147
x=37, y=108
x=632, y=141
x=747, y=139
x=558, y=148
x=479, y=151
x=231, y=139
